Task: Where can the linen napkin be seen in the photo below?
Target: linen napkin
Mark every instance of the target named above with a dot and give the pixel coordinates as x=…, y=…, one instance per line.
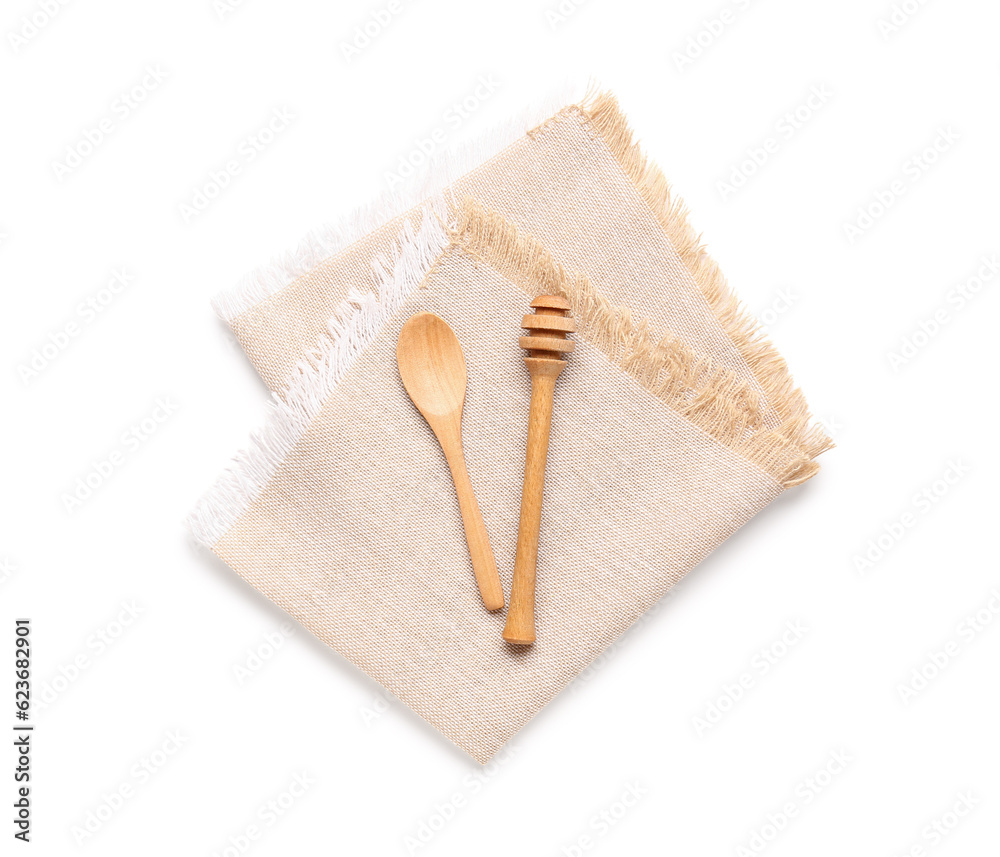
x=342, y=510
x=574, y=178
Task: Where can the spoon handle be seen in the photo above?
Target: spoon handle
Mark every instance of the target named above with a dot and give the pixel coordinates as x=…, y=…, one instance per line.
x=483, y=564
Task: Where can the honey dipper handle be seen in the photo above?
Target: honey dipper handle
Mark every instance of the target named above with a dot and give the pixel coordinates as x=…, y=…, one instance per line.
x=520, y=627
x=483, y=564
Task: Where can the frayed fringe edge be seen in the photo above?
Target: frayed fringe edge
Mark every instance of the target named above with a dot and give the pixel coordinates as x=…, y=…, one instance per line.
x=710, y=397
x=358, y=320
x=604, y=115
x=321, y=244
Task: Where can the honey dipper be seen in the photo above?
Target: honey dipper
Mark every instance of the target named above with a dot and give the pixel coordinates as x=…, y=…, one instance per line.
x=546, y=344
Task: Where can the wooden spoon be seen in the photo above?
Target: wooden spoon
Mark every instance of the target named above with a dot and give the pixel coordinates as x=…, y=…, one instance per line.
x=432, y=366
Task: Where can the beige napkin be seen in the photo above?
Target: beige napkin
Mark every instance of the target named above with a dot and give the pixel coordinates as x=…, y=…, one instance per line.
x=343, y=511
x=674, y=423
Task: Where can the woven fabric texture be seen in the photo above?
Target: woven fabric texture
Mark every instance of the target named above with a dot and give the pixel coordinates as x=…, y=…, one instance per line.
x=358, y=533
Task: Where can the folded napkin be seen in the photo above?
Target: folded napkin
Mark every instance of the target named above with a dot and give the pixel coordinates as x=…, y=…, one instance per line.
x=674, y=423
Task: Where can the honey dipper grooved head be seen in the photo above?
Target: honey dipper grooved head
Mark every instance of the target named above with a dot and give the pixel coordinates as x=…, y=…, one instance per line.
x=548, y=327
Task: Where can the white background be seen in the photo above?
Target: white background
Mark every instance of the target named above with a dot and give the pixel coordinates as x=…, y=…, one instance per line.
x=837, y=309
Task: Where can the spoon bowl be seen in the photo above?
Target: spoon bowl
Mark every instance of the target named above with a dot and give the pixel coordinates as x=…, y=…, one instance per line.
x=432, y=365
